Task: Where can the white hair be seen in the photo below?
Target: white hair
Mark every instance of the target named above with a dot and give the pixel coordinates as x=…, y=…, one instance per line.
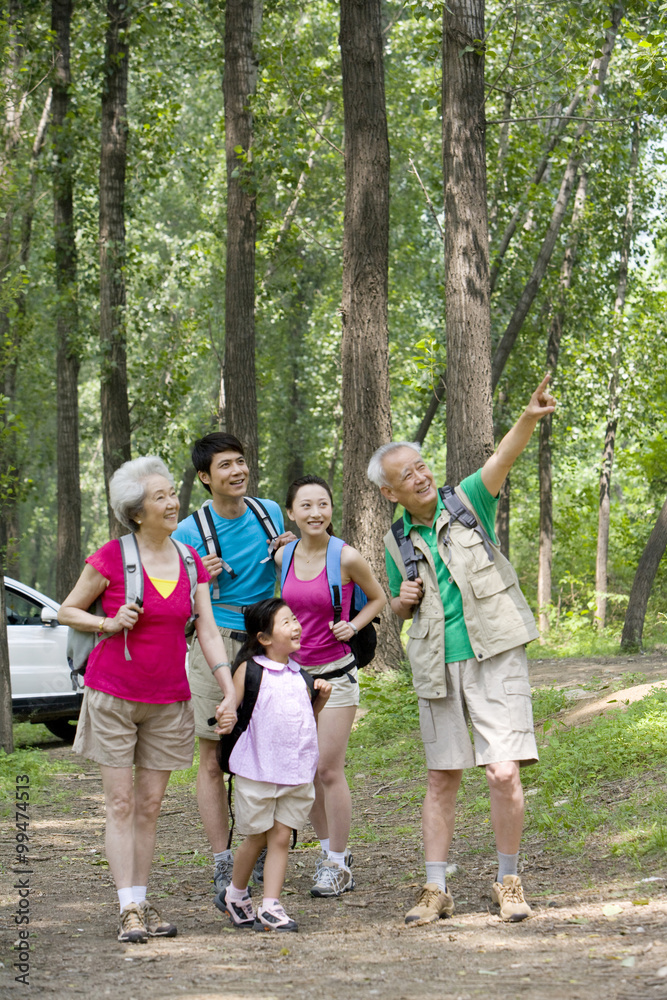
x=127, y=489
x=375, y=471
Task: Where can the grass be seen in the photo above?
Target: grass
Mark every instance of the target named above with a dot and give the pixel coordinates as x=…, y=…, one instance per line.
x=29, y=759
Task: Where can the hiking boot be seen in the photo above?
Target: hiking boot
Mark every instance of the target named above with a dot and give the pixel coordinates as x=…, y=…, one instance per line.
x=132, y=929
x=240, y=912
x=509, y=897
x=154, y=924
x=433, y=904
x=332, y=880
x=222, y=875
x=258, y=870
x=274, y=919
x=323, y=856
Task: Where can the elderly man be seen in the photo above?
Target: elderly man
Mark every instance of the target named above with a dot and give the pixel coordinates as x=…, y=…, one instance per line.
x=466, y=646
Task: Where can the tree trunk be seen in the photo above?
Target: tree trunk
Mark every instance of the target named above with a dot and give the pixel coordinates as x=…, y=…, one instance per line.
x=544, y=256
x=503, y=517
x=239, y=371
x=113, y=159
x=365, y=348
x=604, y=510
x=544, y=459
x=647, y=567
x=68, y=545
x=467, y=299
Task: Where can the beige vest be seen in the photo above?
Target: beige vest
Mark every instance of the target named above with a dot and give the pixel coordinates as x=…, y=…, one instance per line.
x=496, y=613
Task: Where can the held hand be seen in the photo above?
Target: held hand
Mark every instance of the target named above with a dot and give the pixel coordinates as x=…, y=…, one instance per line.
x=225, y=713
x=127, y=616
x=541, y=402
x=213, y=565
x=226, y=723
x=411, y=593
x=284, y=539
x=342, y=630
x=323, y=689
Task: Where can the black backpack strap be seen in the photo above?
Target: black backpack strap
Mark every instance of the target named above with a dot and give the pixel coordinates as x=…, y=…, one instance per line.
x=230, y=785
x=204, y=521
x=310, y=684
x=251, y=685
x=459, y=512
x=406, y=549
x=264, y=518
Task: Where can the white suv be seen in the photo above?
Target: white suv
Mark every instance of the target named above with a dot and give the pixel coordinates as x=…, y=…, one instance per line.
x=43, y=689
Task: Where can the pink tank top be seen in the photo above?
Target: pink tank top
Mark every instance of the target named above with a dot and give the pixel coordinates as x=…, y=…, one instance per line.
x=310, y=600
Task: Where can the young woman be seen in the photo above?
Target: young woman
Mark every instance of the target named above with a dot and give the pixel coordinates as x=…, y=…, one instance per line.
x=274, y=762
x=324, y=652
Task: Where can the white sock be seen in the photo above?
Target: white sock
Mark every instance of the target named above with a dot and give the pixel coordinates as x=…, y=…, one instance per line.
x=138, y=893
x=125, y=897
x=507, y=865
x=436, y=874
x=337, y=857
x=236, y=895
x=269, y=902
x=222, y=856
x=324, y=846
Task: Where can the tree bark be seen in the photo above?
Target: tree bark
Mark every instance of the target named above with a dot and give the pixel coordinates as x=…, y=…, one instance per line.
x=365, y=348
x=68, y=544
x=647, y=567
x=239, y=81
x=113, y=160
x=604, y=510
x=567, y=185
x=467, y=296
x=544, y=458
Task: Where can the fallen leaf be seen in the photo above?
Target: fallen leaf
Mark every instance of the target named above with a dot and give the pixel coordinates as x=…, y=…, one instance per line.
x=612, y=910
x=640, y=902
x=628, y=962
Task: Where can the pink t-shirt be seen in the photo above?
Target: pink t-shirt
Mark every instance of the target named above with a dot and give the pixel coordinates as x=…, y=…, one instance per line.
x=310, y=600
x=280, y=743
x=156, y=672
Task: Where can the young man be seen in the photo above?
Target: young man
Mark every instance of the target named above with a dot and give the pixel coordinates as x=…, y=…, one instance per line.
x=243, y=574
x=466, y=647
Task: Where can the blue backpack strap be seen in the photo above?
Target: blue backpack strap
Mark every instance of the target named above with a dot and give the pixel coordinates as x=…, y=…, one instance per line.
x=334, y=577
x=288, y=555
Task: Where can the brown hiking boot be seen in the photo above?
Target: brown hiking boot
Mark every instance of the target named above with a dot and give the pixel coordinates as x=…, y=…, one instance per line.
x=509, y=897
x=132, y=929
x=433, y=904
x=154, y=924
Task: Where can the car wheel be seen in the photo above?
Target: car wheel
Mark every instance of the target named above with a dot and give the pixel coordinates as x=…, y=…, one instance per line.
x=64, y=729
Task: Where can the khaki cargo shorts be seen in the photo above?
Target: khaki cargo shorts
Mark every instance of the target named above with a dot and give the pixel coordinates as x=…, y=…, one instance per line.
x=260, y=804
x=120, y=733
x=204, y=688
x=494, y=697
x=344, y=689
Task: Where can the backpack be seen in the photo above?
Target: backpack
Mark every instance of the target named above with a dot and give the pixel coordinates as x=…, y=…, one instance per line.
x=457, y=512
x=253, y=679
x=81, y=644
x=363, y=644
x=204, y=521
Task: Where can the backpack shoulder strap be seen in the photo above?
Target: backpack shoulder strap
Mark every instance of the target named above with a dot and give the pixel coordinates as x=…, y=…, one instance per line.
x=334, y=576
x=133, y=574
x=251, y=685
x=264, y=518
x=459, y=512
x=406, y=549
x=288, y=555
x=188, y=561
x=204, y=521
x=310, y=684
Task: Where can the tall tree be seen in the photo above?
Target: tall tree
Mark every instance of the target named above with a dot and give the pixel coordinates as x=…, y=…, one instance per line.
x=113, y=160
x=365, y=349
x=467, y=292
x=242, y=29
x=68, y=546
x=647, y=567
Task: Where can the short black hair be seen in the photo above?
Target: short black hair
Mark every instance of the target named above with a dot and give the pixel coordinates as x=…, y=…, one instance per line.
x=205, y=449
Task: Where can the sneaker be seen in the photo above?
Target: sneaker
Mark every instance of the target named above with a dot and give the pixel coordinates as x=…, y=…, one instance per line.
x=154, y=924
x=509, y=897
x=222, y=875
x=240, y=912
x=433, y=904
x=332, y=880
x=274, y=919
x=323, y=856
x=258, y=870
x=132, y=929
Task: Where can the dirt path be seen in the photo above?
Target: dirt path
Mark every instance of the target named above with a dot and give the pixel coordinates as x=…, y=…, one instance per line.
x=596, y=933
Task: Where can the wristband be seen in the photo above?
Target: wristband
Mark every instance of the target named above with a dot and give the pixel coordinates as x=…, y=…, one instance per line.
x=217, y=667
x=354, y=628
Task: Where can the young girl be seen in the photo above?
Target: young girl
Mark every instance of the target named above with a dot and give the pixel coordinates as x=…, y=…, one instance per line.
x=324, y=652
x=274, y=761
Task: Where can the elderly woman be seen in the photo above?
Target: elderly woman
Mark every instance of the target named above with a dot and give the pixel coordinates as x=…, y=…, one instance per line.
x=136, y=720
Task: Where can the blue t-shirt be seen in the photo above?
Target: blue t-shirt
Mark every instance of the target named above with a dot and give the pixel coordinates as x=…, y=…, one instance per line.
x=243, y=543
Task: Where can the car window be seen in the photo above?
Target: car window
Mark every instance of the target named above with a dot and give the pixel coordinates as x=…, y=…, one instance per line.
x=22, y=610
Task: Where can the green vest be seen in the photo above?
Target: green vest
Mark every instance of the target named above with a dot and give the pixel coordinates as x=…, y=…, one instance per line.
x=496, y=613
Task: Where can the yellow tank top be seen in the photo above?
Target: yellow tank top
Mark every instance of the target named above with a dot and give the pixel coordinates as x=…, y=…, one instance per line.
x=163, y=587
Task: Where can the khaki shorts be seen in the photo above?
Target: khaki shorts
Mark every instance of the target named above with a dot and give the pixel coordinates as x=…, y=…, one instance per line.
x=494, y=696
x=344, y=689
x=206, y=693
x=260, y=804
x=120, y=733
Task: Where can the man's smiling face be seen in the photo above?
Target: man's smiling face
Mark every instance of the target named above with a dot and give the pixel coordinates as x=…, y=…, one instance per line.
x=410, y=482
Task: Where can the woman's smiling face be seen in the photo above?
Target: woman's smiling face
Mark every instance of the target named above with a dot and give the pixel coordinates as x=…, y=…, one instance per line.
x=311, y=509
